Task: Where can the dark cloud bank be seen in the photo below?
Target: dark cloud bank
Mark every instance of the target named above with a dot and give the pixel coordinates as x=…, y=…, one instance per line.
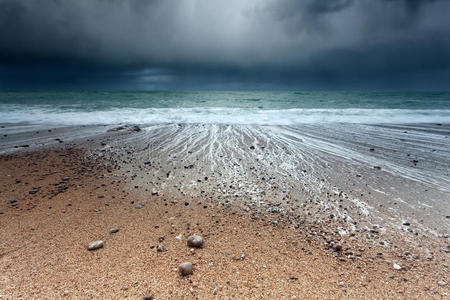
x=233, y=44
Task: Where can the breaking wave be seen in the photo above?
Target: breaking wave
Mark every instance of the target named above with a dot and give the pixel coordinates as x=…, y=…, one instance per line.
x=217, y=115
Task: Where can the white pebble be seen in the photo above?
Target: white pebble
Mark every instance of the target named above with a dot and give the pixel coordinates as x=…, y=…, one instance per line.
x=95, y=245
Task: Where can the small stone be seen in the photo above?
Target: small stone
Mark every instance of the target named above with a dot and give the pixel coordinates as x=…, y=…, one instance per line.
x=134, y=128
x=195, y=241
x=337, y=248
x=396, y=266
x=1, y=212
x=139, y=206
x=113, y=230
x=442, y=283
x=185, y=269
x=239, y=258
x=148, y=296
x=95, y=245
x=33, y=191
x=273, y=210
x=160, y=248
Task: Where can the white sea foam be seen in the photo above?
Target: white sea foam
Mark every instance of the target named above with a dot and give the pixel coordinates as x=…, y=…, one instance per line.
x=217, y=115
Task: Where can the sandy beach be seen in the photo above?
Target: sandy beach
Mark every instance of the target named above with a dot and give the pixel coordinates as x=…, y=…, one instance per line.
x=286, y=212
x=209, y=149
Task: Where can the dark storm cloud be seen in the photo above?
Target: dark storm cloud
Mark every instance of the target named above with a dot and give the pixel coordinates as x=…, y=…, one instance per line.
x=234, y=43
x=413, y=6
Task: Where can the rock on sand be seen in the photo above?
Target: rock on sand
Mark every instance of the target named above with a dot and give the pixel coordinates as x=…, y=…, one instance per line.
x=195, y=241
x=396, y=266
x=95, y=245
x=185, y=268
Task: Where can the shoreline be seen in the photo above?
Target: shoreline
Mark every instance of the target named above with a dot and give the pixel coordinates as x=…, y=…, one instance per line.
x=304, y=250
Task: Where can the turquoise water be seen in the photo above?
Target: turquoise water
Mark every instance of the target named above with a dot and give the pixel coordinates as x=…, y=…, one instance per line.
x=233, y=107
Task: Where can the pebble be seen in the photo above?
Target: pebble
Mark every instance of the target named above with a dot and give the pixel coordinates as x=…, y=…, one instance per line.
x=139, y=206
x=396, y=266
x=337, y=247
x=442, y=283
x=148, y=297
x=160, y=248
x=185, y=268
x=114, y=230
x=1, y=212
x=95, y=245
x=195, y=241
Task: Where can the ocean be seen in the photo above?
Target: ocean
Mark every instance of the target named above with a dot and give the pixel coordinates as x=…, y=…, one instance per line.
x=223, y=107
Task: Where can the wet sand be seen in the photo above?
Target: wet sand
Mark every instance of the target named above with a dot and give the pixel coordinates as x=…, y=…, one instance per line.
x=285, y=212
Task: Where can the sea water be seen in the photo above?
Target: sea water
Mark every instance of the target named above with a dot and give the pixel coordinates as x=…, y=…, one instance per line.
x=223, y=107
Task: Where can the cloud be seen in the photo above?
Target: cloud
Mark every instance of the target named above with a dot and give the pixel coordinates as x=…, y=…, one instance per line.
x=260, y=41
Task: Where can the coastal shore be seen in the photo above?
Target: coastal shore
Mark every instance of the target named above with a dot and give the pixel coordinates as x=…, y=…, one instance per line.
x=284, y=212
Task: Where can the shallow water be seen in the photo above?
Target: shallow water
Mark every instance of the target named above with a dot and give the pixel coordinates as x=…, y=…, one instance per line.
x=329, y=168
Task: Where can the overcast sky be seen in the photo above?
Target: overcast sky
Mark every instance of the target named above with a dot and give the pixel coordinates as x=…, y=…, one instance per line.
x=218, y=44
